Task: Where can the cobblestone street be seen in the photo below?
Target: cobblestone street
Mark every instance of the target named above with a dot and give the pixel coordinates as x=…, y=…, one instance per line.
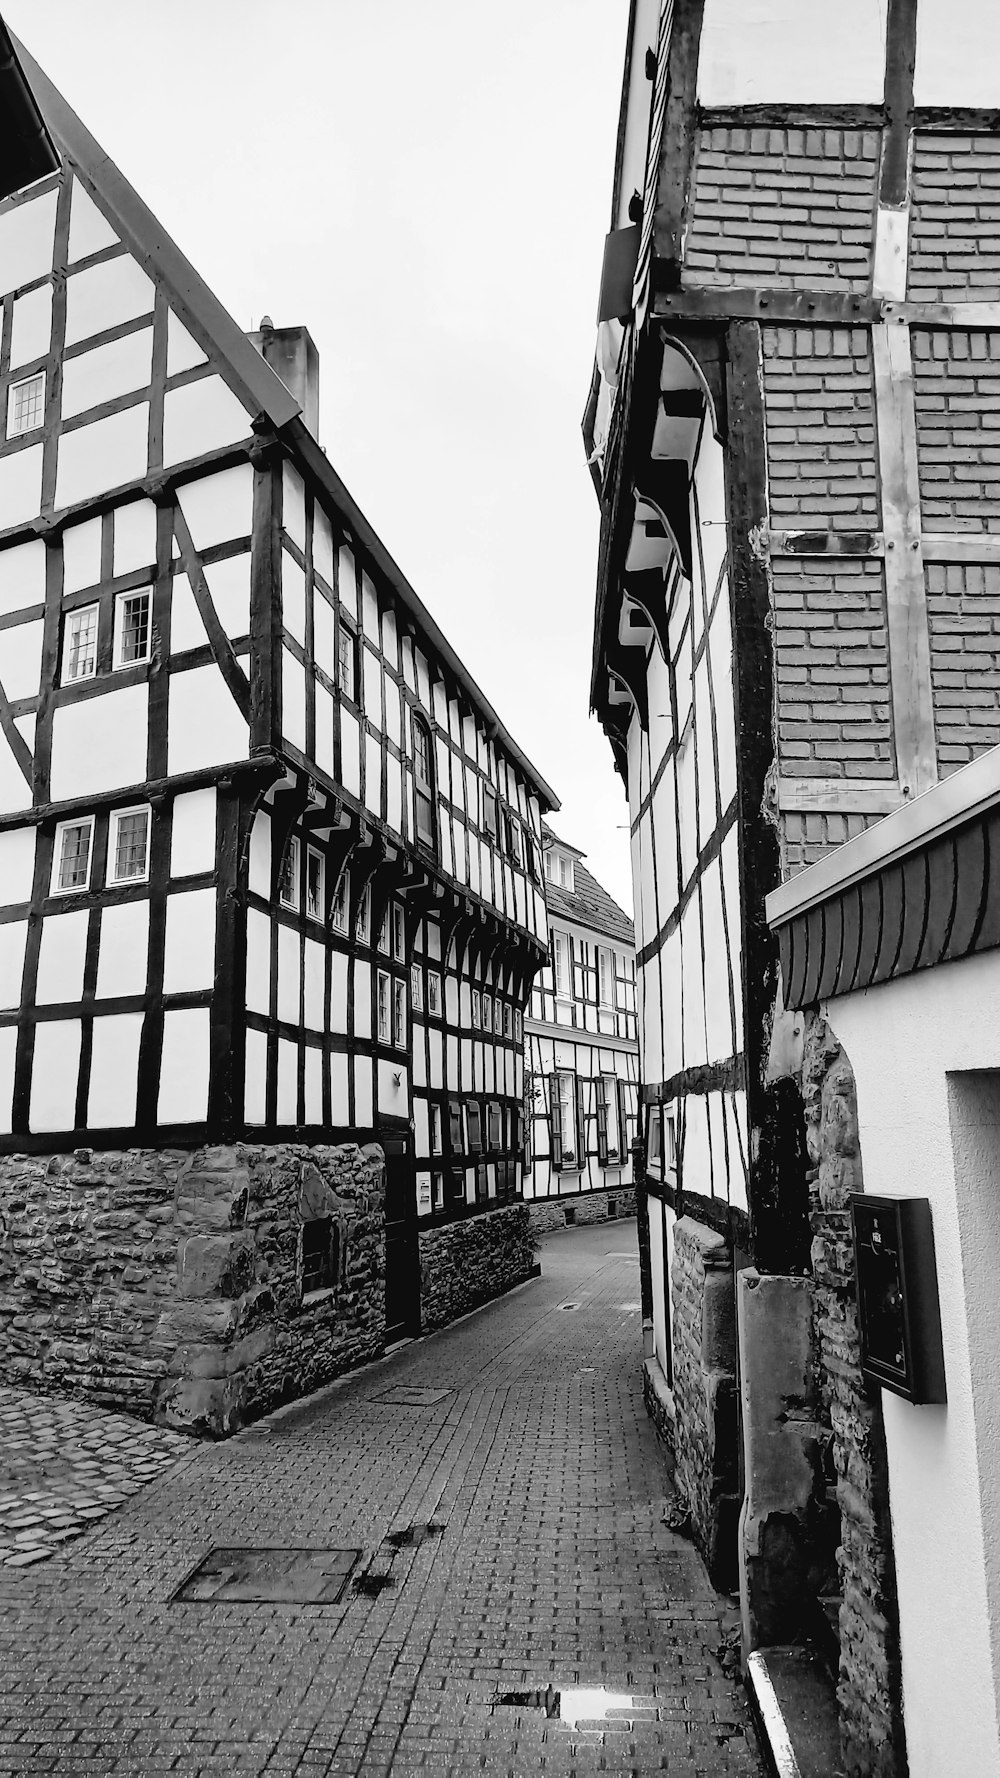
x=498, y=1492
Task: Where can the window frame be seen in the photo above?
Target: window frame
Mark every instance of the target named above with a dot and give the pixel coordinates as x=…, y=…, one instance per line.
x=291, y=867
x=491, y=825
x=494, y=1127
x=416, y=988
x=605, y=978
x=561, y=946
x=434, y=975
x=424, y=789
x=565, y=1158
x=114, y=825
x=363, y=918
x=80, y=611
x=399, y=932
x=13, y=389
x=340, y=905
x=477, y=1010
x=118, y=630
x=487, y=1012
x=331, y=1258
x=435, y=1133
x=383, y=942
x=347, y=630
x=314, y=855
x=474, y=1127
x=62, y=827
x=399, y=1020
x=383, y=1007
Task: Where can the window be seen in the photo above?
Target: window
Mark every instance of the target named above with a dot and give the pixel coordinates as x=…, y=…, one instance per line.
x=519, y=1027
x=26, y=405
x=508, y=1021
x=498, y=1017
x=341, y=902
x=347, y=662
x=608, y=1135
x=494, y=1126
x=72, y=855
x=383, y=992
x=433, y=991
x=383, y=934
x=132, y=628
x=437, y=1137
x=455, y=1126
x=474, y=1126
x=490, y=811
x=487, y=1012
x=398, y=932
x=288, y=882
x=363, y=924
x=128, y=859
x=561, y=966
x=514, y=843
x=315, y=875
x=423, y=782
x=477, y=1009
x=320, y=1254
x=654, y=1140
x=416, y=988
x=437, y=1187
x=79, y=656
x=605, y=975
x=531, y=847
x=567, y=1108
x=669, y=1141
x=399, y=1013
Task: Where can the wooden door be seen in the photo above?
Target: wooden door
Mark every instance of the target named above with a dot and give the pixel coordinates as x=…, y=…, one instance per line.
x=402, y=1253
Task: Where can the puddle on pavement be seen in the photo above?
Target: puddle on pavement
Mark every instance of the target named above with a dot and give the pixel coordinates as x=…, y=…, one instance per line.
x=413, y=1535
x=371, y=1586
x=590, y=1708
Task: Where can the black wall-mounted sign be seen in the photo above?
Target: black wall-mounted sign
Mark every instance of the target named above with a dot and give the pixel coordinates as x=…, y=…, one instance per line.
x=621, y=253
x=898, y=1309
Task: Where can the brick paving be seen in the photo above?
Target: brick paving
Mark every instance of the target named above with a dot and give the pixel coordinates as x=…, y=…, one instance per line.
x=511, y=1540
x=64, y=1464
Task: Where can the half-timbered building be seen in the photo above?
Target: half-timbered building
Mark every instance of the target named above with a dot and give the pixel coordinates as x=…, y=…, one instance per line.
x=264, y=845
x=796, y=636
x=580, y=1051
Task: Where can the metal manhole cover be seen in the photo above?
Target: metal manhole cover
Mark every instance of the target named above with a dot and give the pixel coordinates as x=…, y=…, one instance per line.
x=268, y=1577
x=401, y=1396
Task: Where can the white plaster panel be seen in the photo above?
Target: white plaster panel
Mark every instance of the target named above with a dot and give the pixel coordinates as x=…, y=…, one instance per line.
x=289, y=974
x=114, y=1071
x=81, y=555
x=61, y=957
x=393, y=1089
x=293, y=700
x=394, y=794
x=8, y=1052
x=958, y=49
x=255, y=1078
x=293, y=598
x=201, y=417
x=338, y=991
x=736, y=1117
x=20, y=485
x=324, y=648
x=105, y=454
x=288, y=1081
x=718, y=1020
x=731, y=892
x=340, y=1105
x=347, y=581
x=293, y=505
x=362, y=999
x=108, y=371
x=17, y=865
x=313, y=1084
x=13, y=934
x=204, y=725
x=720, y=644
x=31, y=326
x=27, y=233
x=322, y=545
x=657, y=1264
x=903, y=1039
x=315, y=984
x=419, y=1062
x=219, y=507
x=692, y=963
x=183, y=352
x=54, y=1075
x=364, y=1104
x=229, y=585
x=325, y=718
x=184, y=1066
x=22, y=576
x=135, y=536
x=15, y=792
x=104, y=295
x=21, y=659
x=186, y=627
x=708, y=812
x=258, y=988
x=89, y=229
x=100, y=743
x=350, y=741
x=803, y=51
x=369, y=610
x=189, y=953
x=192, y=833
x=687, y=809
x=123, y=956
x=372, y=673
x=373, y=775
x=260, y=854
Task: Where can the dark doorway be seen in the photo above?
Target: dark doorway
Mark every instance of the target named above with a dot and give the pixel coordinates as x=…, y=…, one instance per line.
x=402, y=1253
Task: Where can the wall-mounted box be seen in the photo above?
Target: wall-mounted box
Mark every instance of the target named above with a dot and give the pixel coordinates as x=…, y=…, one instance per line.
x=898, y=1310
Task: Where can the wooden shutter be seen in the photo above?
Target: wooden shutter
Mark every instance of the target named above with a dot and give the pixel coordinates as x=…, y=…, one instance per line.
x=602, y=1122
x=555, y=1121
x=581, y=1121
x=623, y=1130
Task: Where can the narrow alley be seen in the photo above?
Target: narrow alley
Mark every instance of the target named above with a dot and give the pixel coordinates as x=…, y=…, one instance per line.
x=486, y=1507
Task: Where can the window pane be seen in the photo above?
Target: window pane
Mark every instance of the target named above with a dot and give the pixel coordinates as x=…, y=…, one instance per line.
x=131, y=845
x=74, y=856
x=338, y=913
x=421, y=754
x=133, y=632
x=314, y=885
x=80, y=644
x=383, y=1007
x=399, y=1014
x=27, y=405
x=416, y=987
x=288, y=884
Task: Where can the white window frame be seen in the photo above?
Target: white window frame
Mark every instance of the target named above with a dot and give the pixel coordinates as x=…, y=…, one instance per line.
x=117, y=817
x=363, y=923
x=398, y=932
x=487, y=1012
x=416, y=988
x=71, y=617
x=384, y=941
x=605, y=977
x=313, y=855
x=399, y=1012
x=654, y=1140
x=508, y=1019
x=433, y=991
x=289, y=894
x=141, y=592
x=347, y=691
x=383, y=1005
x=562, y=969
x=340, y=911
x=15, y=431
x=63, y=827
x=477, y=1010
x=436, y=1130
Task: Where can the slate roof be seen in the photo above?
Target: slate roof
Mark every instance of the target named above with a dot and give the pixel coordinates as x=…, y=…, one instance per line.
x=589, y=904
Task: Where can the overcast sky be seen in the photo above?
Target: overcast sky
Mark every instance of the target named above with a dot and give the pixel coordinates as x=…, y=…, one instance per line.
x=426, y=184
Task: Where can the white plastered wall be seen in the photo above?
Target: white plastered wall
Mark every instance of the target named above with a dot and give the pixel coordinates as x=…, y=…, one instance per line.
x=903, y=1039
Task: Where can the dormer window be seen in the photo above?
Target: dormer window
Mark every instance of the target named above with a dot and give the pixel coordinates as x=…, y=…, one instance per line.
x=559, y=869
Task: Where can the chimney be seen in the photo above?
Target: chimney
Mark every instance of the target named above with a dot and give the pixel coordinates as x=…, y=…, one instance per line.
x=292, y=355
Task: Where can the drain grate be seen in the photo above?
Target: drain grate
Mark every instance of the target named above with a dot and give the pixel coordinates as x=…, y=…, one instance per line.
x=400, y=1395
x=268, y=1577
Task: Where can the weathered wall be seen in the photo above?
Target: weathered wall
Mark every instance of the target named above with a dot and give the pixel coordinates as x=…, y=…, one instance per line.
x=546, y=1214
x=704, y=1387
x=464, y=1264
x=169, y=1283
x=869, y=1690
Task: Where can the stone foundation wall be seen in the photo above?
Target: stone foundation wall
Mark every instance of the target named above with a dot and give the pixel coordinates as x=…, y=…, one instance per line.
x=869, y=1691
x=170, y=1283
x=704, y=1387
x=464, y=1264
x=546, y=1214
